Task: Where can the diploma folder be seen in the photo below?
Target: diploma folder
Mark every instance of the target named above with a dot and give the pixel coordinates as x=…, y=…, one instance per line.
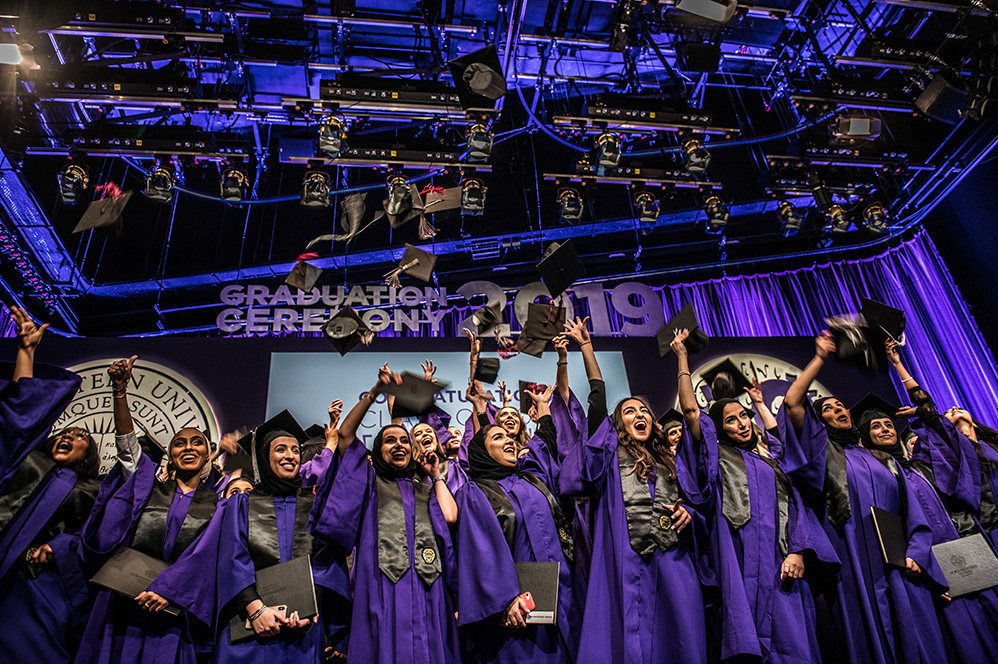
x=541, y=581
x=287, y=584
x=893, y=536
x=129, y=572
x=968, y=564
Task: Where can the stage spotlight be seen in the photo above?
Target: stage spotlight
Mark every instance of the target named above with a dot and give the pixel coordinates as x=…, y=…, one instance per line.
x=836, y=219
x=479, y=143
x=647, y=206
x=571, y=205
x=331, y=137
x=849, y=128
x=159, y=184
x=875, y=217
x=473, y=197
x=234, y=184
x=73, y=178
x=608, y=150
x=399, y=195
x=695, y=156
x=721, y=12
x=717, y=214
x=315, y=189
x=790, y=219
x=620, y=32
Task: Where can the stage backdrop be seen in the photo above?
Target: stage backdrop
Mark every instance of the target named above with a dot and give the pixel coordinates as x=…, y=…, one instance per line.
x=222, y=384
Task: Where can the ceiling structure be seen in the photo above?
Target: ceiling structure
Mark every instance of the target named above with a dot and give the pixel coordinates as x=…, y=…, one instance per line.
x=855, y=117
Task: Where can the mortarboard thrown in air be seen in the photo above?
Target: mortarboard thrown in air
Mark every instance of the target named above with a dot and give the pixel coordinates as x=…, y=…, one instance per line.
x=416, y=263
x=414, y=396
x=726, y=380
x=686, y=319
x=487, y=369
x=525, y=400
x=560, y=267
x=346, y=329
x=478, y=78
x=544, y=323
x=304, y=275
x=852, y=344
x=105, y=212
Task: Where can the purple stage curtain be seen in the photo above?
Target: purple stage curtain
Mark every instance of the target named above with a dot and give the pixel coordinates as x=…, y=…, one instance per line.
x=945, y=350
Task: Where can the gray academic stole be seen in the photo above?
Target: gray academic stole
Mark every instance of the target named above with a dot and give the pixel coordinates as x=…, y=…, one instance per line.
x=503, y=508
x=264, y=545
x=735, y=499
x=649, y=523
x=151, y=527
x=393, y=549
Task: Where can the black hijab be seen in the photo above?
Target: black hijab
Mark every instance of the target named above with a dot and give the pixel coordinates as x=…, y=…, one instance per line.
x=384, y=469
x=268, y=481
x=844, y=437
x=481, y=465
x=716, y=415
x=896, y=450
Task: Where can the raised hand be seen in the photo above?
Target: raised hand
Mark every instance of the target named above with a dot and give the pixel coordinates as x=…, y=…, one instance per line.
x=428, y=370
x=755, y=392
x=335, y=410
x=542, y=397
x=892, y=352
x=560, y=343
x=507, y=396
x=824, y=344
x=430, y=463
x=330, y=431
x=120, y=372
x=677, y=345
x=476, y=343
x=28, y=332
x=577, y=330
x=229, y=443
x=906, y=413
x=386, y=376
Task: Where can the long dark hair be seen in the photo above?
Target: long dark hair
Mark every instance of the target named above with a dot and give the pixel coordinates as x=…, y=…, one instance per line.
x=522, y=437
x=646, y=455
x=989, y=436
x=90, y=468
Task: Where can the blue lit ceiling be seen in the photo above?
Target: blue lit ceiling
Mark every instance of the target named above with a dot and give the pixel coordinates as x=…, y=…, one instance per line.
x=206, y=86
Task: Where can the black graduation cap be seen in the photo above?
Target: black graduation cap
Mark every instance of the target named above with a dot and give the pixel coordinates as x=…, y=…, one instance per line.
x=560, y=267
x=316, y=441
x=104, y=213
x=686, y=319
x=486, y=319
x=439, y=199
x=283, y=421
x=525, y=401
x=544, y=323
x=151, y=448
x=403, y=205
x=852, y=344
x=478, y=78
x=346, y=329
x=415, y=262
x=737, y=381
x=671, y=415
x=304, y=275
x=414, y=396
x=890, y=322
x=486, y=369
x=872, y=402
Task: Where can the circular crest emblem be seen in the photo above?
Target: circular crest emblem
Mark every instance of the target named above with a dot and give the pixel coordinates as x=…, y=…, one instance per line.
x=162, y=403
x=958, y=561
x=665, y=522
x=429, y=555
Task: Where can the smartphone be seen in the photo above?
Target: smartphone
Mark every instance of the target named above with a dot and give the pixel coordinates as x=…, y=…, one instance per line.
x=281, y=609
x=528, y=600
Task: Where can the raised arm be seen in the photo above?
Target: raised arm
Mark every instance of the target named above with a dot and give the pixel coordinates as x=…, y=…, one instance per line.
x=794, y=401
x=28, y=336
x=577, y=331
x=687, y=397
x=430, y=463
x=561, y=380
x=765, y=414
x=351, y=423
x=120, y=373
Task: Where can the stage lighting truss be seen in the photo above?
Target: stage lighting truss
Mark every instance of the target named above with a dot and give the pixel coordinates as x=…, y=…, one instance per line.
x=696, y=158
x=480, y=141
x=72, y=179
x=849, y=129
x=641, y=122
x=876, y=218
x=717, y=214
x=647, y=206
x=315, y=189
x=571, y=205
x=608, y=148
x=159, y=184
x=332, y=137
x=234, y=184
x=399, y=195
x=790, y=218
x=473, y=193
x=719, y=12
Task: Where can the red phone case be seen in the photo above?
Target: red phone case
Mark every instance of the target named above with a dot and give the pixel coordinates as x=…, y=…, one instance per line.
x=529, y=601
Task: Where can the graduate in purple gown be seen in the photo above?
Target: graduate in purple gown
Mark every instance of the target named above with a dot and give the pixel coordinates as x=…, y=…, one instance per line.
x=760, y=533
x=644, y=602
x=880, y=613
x=510, y=514
x=381, y=506
x=47, y=487
x=157, y=515
x=263, y=528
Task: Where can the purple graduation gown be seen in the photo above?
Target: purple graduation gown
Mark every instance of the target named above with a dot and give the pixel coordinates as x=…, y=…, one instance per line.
x=118, y=629
x=760, y=614
x=486, y=567
x=404, y=622
x=637, y=611
x=43, y=616
x=880, y=615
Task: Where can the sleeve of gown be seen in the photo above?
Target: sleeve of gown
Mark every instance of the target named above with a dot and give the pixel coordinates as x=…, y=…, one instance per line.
x=469, y=433
x=129, y=452
x=29, y=408
x=806, y=535
x=805, y=454
x=486, y=571
x=572, y=429
x=954, y=461
x=64, y=548
x=445, y=543
x=341, y=497
x=203, y=579
x=920, y=538
x=696, y=464
x=541, y=460
x=314, y=469
x=774, y=444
